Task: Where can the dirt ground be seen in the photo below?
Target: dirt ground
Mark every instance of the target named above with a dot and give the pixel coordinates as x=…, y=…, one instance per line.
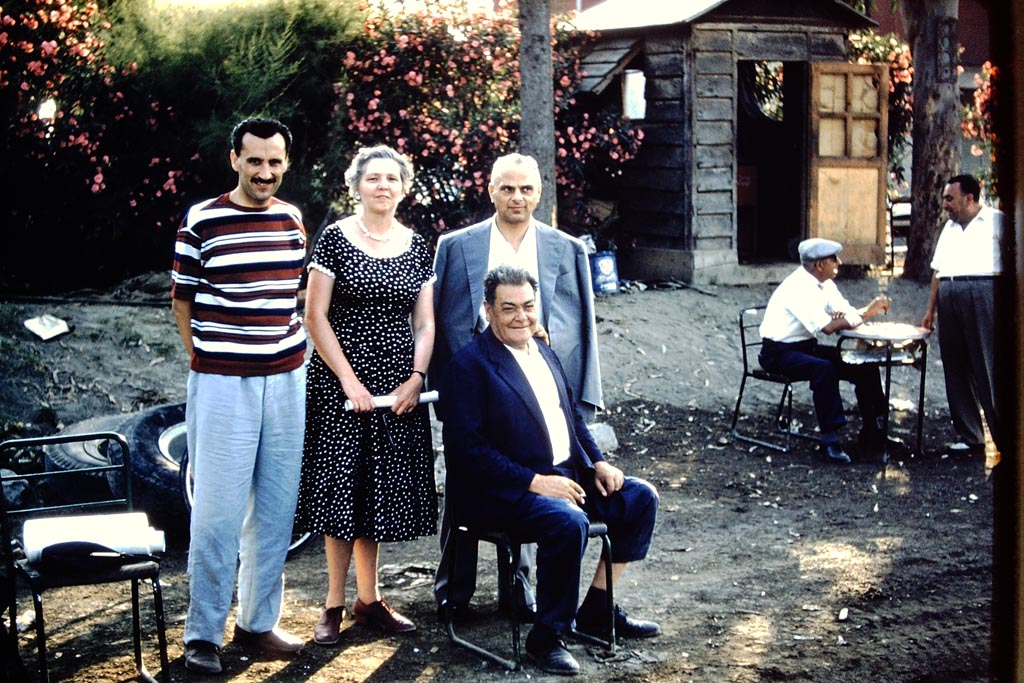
x=765, y=566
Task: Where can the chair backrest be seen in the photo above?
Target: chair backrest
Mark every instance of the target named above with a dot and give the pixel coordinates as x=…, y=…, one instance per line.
x=34, y=501
x=750, y=336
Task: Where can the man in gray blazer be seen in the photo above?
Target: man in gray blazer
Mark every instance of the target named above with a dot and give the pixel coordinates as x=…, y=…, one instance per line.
x=560, y=264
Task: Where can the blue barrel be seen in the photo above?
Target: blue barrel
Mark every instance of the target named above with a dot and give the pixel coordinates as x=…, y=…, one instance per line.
x=604, y=272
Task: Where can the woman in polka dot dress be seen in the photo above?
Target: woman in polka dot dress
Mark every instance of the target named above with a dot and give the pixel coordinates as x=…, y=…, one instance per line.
x=368, y=475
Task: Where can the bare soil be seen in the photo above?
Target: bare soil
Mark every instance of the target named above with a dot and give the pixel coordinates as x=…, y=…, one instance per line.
x=765, y=566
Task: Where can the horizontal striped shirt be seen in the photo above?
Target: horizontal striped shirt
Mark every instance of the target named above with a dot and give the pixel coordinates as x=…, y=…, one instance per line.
x=240, y=267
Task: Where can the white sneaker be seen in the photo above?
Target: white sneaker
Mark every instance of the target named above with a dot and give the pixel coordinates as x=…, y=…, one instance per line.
x=958, y=446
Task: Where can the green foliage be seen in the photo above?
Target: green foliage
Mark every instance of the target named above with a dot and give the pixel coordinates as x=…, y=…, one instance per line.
x=275, y=58
x=64, y=173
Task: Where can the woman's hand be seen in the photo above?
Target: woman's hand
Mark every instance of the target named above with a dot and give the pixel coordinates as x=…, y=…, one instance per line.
x=407, y=394
x=362, y=400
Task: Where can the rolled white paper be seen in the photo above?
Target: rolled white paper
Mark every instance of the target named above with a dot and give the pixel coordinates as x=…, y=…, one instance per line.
x=125, y=532
x=388, y=400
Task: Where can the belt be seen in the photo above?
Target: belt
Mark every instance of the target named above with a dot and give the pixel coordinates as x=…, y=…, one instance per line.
x=965, y=278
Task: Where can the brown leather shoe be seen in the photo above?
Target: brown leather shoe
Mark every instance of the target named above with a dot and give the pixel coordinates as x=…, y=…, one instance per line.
x=273, y=642
x=381, y=614
x=328, y=628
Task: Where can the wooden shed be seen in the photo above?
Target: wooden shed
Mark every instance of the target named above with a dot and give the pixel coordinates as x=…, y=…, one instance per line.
x=726, y=184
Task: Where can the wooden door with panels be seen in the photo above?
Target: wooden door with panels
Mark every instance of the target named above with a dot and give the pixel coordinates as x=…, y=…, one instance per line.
x=847, y=158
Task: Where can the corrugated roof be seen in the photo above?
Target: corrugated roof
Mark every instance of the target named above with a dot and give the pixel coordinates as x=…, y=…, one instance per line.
x=626, y=14
x=613, y=14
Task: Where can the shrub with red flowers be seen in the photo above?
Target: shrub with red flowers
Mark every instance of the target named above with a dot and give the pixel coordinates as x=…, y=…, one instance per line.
x=978, y=126
x=68, y=193
x=442, y=86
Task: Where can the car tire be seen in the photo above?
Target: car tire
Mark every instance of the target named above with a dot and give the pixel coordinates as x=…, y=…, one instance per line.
x=300, y=539
x=78, y=455
x=155, y=459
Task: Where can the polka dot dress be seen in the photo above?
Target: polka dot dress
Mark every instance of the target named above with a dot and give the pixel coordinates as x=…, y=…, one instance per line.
x=368, y=475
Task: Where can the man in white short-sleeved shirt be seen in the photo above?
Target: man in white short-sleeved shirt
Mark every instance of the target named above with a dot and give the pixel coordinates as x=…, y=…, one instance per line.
x=967, y=265
x=806, y=303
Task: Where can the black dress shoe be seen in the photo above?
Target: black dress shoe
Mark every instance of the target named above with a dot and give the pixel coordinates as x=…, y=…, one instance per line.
x=551, y=655
x=202, y=657
x=834, y=453
x=595, y=624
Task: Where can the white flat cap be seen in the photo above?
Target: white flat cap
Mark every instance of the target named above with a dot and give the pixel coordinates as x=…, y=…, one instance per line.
x=818, y=247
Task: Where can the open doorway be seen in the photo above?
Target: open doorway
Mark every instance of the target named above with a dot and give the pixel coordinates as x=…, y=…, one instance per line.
x=771, y=172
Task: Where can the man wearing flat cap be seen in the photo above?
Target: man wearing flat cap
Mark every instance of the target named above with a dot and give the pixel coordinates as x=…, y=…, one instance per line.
x=806, y=303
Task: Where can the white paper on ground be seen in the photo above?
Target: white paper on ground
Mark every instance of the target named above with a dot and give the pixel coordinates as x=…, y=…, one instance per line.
x=47, y=326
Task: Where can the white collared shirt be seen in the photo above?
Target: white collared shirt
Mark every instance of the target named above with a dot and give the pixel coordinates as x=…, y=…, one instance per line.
x=501, y=252
x=973, y=249
x=801, y=306
x=542, y=382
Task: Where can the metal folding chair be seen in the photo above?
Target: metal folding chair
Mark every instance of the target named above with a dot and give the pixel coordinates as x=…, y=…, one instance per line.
x=508, y=555
x=750, y=344
x=40, y=578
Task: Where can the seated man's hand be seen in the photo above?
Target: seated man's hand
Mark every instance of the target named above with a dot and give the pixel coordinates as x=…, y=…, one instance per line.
x=880, y=304
x=608, y=478
x=557, y=486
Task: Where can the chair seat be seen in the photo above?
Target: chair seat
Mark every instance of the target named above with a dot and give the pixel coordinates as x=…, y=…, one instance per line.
x=42, y=579
x=761, y=373
x=750, y=319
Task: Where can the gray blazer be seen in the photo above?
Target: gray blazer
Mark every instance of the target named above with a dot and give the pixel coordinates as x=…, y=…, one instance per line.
x=566, y=302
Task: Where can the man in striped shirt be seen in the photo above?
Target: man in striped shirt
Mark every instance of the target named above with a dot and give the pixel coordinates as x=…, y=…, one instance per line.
x=237, y=264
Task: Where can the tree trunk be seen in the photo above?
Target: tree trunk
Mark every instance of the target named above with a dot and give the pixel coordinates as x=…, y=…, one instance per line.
x=936, y=124
x=537, y=98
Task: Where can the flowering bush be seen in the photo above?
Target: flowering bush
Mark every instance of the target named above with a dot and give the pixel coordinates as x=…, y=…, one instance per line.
x=69, y=112
x=978, y=126
x=442, y=86
x=869, y=48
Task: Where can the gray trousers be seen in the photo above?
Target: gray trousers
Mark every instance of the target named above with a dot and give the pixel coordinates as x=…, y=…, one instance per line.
x=967, y=336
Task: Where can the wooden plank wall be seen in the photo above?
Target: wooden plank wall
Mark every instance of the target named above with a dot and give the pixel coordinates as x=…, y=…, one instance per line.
x=656, y=189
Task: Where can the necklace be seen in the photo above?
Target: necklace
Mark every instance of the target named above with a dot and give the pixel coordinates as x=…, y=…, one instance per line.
x=385, y=237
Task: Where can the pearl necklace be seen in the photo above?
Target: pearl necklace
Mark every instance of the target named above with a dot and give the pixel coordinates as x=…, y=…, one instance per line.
x=385, y=237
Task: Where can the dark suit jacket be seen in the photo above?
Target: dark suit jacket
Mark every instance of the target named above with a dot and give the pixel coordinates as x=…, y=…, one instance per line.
x=495, y=438
x=566, y=302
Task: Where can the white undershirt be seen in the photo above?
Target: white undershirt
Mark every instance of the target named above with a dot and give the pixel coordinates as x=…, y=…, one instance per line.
x=501, y=252
x=542, y=382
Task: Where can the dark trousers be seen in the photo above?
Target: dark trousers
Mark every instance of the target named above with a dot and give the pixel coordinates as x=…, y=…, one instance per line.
x=967, y=336
x=821, y=366
x=559, y=529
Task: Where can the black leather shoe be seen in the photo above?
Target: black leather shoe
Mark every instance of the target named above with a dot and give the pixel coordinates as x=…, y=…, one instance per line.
x=551, y=656
x=595, y=624
x=202, y=657
x=834, y=453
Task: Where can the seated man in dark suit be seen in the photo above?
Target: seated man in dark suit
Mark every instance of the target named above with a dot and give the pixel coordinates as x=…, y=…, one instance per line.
x=521, y=459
